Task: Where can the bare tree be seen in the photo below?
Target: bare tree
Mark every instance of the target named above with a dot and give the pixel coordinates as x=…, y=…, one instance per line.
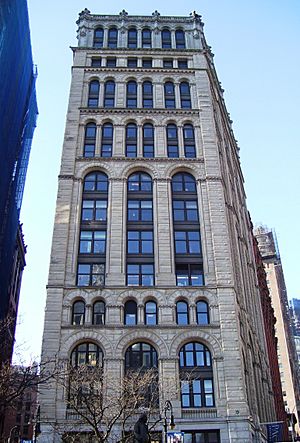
x=104, y=409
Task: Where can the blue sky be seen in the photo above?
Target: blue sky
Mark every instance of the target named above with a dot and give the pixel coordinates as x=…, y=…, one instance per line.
x=256, y=47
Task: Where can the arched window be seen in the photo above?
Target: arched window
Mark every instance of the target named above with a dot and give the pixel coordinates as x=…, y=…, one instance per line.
x=112, y=38
x=183, y=182
x=140, y=182
x=166, y=39
x=109, y=94
x=188, y=253
x=146, y=38
x=141, y=367
x=182, y=313
x=87, y=354
x=132, y=38
x=93, y=94
x=140, y=258
x=169, y=95
x=148, y=140
x=172, y=141
x=131, y=140
x=189, y=141
x=96, y=182
x=196, y=376
x=90, y=140
x=99, y=313
x=140, y=356
x=202, y=313
x=92, y=244
x=185, y=95
x=150, y=313
x=98, y=38
x=130, y=313
x=180, y=39
x=107, y=140
x=131, y=97
x=78, y=313
x=147, y=95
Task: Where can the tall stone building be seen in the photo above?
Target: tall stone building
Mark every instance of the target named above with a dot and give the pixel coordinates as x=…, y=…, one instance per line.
x=152, y=260
x=286, y=349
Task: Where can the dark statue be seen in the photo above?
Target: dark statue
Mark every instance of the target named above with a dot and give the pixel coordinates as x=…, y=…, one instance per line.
x=141, y=434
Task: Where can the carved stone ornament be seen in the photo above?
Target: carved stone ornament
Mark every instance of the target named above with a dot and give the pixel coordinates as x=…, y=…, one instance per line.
x=123, y=13
x=155, y=14
x=83, y=32
x=195, y=16
x=84, y=12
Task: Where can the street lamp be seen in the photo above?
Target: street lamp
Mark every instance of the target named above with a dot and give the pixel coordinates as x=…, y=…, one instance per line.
x=168, y=407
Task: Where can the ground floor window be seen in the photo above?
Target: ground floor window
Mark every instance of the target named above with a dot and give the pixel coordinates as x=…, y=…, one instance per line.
x=201, y=436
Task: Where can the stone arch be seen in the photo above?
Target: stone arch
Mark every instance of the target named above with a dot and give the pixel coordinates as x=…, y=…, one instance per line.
x=141, y=336
x=94, y=166
x=184, y=80
x=187, y=121
x=174, y=169
x=168, y=79
x=140, y=166
x=130, y=78
x=144, y=294
x=147, y=120
x=82, y=336
x=88, y=120
x=92, y=78
x=109, y=78
x=146, y=79
x=96, y=298
x=128, y=120
x=199, y=336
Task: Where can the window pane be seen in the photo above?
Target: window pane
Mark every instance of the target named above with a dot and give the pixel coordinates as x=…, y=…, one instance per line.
x=199, y=358
x=189, y=356
x=188, y=438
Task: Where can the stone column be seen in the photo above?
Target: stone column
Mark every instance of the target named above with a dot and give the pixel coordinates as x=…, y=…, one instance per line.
x=115, y=259
x=163, y=250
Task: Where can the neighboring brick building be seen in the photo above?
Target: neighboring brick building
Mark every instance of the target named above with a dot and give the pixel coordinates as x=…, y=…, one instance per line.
x=152, y=259
x=270, y=325
x=286, y=349
x=20, y=417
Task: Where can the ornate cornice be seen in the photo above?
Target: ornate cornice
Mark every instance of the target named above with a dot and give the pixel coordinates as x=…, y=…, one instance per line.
x=183, y=160
x=115, y=51
x=139, y=70
x=135, y=111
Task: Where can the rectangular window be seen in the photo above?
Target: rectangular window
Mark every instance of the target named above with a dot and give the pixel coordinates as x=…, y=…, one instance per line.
x=147, y=62
x=111, y=62
x=182, y=64
x=94, y=210
x=187, y=242
x=132, y=62
x=189, y=275
x=203, y=436
x=96, y=62
x=168, y=63
x=140, y=242
x=139, y=210
x=140, y=274
x=185, y=210
x=90, y=274
x=92, y=242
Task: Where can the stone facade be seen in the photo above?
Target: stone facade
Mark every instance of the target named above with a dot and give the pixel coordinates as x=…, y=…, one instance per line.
x=234, y=334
